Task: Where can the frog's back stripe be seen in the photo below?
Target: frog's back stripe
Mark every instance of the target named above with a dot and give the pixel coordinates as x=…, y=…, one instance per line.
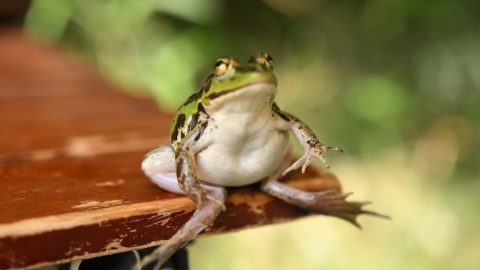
x=192, y=98
x=207, y=85
x=178, y=124
x=192, y=101
x=200, y=108
x=196, y=96
x=193, y=121
x=202, y=129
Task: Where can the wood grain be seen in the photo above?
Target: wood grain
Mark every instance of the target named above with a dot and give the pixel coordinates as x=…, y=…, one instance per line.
x=70, y=149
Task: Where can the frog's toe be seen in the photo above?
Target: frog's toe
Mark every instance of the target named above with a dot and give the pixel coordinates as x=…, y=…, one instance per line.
x=297, y=164
x=331, y=203
x=304, y=161
x=333, y=148
x=319, y=151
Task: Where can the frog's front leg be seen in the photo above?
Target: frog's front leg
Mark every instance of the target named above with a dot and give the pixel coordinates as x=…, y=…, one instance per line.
x=313, y=148
x=328, y=202
x=210, y=201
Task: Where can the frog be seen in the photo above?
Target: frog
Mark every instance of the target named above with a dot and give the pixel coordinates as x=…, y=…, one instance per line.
x=232, y=133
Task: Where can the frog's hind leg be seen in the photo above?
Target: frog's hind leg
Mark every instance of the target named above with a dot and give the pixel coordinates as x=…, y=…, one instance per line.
x=328, y=202
x=203, y=217
x=210, y=202
x=159, y=166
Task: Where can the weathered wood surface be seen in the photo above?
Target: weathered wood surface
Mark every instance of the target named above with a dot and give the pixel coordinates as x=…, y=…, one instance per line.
x=70, y=149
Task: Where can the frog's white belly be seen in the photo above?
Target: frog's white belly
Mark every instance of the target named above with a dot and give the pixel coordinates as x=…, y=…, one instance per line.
x=241, y=153
x=240, y=157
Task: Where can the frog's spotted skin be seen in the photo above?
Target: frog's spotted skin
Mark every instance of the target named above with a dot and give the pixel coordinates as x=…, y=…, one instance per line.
x=236, y=78
x=231, y=133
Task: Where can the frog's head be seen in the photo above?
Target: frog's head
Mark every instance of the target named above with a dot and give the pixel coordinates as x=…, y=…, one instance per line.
x=249, y=85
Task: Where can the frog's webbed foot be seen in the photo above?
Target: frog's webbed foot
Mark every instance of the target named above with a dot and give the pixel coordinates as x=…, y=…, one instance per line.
x=312, y=150
x=332, y=203
x=328, y=202
x=203, y=217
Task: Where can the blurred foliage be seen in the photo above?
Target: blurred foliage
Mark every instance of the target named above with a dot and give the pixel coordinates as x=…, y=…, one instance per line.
x=396, y=83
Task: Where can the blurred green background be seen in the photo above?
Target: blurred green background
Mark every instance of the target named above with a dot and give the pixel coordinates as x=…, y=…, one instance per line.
x=395, y=83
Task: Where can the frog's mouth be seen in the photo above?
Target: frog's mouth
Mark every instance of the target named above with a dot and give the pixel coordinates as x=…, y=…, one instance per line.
x=250, y=97
x=267, y=84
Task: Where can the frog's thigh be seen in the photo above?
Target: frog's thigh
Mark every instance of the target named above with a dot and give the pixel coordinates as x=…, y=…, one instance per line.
x=159, y=166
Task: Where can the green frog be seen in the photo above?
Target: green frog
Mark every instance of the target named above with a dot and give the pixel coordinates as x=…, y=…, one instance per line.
x=232, y=133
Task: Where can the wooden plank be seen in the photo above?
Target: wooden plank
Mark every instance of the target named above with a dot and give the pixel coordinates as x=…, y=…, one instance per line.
x=70, y=149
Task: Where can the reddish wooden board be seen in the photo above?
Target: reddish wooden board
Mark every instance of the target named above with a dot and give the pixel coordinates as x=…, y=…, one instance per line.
x=70, y=149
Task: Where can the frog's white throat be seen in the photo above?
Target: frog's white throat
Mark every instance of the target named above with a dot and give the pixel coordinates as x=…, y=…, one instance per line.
x=252, y=100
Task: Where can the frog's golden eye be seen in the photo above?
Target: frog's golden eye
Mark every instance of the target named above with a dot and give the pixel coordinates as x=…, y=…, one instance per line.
x=268, y=59
x=222, y=66
x=262, y=59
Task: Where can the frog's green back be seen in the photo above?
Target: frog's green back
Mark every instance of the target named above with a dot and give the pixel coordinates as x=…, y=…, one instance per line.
x=179, y=127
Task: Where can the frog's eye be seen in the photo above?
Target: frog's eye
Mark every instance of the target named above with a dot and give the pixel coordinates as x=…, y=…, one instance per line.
x=222, y=66
x=268, y=59
x=262, y=59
